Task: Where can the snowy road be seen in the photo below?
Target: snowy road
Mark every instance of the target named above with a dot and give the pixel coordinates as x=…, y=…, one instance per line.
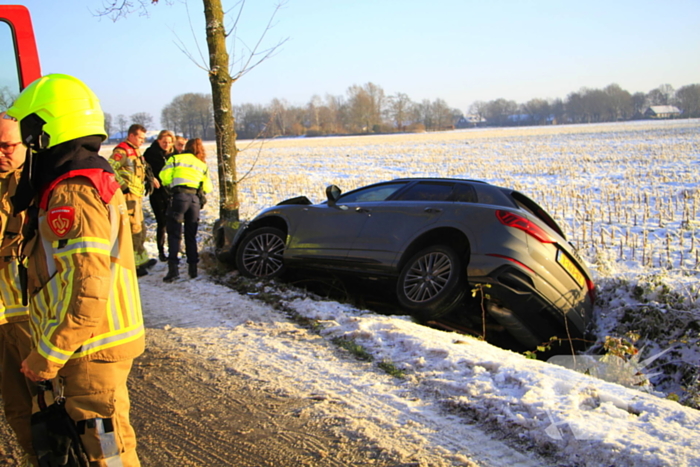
x=255, y=340
x=462, y=401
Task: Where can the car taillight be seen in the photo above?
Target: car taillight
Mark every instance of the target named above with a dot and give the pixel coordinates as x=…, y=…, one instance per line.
x=519, y=222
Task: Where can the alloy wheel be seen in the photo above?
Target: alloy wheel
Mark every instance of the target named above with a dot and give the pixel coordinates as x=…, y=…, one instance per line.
x=427, y=276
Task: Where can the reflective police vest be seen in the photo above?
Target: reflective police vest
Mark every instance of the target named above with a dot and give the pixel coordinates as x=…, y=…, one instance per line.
x=186, y=170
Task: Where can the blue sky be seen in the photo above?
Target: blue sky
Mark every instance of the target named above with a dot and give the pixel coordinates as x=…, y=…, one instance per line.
x=457, y=50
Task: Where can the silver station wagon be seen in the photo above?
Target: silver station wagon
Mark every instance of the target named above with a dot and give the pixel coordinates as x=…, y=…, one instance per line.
x=433, y=240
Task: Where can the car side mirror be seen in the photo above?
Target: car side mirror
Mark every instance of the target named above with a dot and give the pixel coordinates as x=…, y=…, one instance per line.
x=332, y=193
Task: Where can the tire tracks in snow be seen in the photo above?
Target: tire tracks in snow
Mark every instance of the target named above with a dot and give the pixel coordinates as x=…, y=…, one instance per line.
x=251, y=339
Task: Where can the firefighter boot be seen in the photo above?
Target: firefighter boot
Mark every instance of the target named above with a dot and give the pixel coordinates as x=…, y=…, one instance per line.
x=192, y=270
x=173, y=272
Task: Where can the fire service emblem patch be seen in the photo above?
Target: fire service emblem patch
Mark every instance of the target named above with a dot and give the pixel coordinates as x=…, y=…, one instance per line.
x=61, y=220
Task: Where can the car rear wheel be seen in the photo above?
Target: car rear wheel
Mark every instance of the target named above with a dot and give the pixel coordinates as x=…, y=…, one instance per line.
x=260, y=253
x=431, y=284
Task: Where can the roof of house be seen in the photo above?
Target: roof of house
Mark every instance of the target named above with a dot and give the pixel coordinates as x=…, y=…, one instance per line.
x=664, y=109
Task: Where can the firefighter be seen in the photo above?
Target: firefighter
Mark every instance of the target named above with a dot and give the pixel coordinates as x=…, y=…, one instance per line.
x=84, y=303
x=15, y=339
x=136, y=181
x=187, y=176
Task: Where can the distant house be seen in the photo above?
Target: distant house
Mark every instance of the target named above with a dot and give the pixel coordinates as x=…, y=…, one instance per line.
x=662, y=111
x=520, y=119
x=469, y=121
x=462, y=122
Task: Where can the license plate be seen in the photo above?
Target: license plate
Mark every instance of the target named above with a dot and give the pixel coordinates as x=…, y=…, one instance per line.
x=571, y=268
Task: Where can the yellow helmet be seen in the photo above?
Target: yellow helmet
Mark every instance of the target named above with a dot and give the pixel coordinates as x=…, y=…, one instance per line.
x=57, y=108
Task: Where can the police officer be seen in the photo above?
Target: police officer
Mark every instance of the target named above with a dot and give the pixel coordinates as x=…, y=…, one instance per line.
x=186, y=174
x=82, y=287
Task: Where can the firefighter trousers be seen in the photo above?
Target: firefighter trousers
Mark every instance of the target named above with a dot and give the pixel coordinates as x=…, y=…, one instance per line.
x=97, y=399
x=17, y=391
x=134, y=206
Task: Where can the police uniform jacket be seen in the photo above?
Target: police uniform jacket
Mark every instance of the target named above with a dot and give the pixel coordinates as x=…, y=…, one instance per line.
x=83, y=290
x=186, y=170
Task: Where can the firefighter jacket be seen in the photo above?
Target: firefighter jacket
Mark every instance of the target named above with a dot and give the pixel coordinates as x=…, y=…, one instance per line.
x=129, y=167
x=82, y=285
x=186, y=170
x=12, y=309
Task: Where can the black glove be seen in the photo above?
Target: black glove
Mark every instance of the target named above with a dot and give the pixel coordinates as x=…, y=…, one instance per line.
x=201, y=196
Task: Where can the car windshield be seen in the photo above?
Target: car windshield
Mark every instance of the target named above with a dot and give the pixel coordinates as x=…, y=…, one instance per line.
x=372, y=193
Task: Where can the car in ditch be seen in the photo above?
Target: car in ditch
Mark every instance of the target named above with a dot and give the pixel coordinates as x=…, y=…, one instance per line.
x=434, y=240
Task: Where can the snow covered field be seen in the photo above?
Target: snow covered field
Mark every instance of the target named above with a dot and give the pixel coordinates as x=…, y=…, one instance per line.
x=627, y=194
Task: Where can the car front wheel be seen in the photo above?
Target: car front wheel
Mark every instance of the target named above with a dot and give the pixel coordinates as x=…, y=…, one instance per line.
x=431, y=284
x=260, y=253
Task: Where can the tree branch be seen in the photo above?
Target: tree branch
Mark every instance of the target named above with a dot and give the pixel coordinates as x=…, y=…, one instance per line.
x=117, y=9
x=253, y=53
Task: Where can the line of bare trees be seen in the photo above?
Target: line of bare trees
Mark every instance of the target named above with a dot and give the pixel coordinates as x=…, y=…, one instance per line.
x=367, y=109
x=609, y=104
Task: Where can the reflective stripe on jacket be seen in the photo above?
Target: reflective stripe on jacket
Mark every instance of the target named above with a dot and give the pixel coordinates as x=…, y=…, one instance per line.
x=84, y=294
x=129, y=168
x=185, y=169
x=11, y=308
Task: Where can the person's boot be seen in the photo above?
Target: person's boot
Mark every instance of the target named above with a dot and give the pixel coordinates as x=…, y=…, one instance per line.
x=192, y=270
x=141, y=271
x=162, y=256
x=173, y=273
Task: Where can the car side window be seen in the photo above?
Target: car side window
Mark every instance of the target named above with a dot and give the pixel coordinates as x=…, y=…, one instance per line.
x=489, y=194
x=369, y=194
x=427, y=191
x=464, y=193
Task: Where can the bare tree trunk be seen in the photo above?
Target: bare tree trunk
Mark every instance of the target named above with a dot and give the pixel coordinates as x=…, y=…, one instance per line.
x=225, y=131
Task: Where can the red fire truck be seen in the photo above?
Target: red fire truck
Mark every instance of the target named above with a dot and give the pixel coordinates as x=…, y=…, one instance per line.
x=20, y=60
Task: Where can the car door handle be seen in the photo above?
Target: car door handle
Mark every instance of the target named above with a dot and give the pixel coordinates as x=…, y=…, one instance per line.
x=362, y=210
x=433, y=210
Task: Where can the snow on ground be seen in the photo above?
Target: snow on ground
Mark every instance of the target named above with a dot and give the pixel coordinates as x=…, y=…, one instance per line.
x=628, y=195
x=461, y=399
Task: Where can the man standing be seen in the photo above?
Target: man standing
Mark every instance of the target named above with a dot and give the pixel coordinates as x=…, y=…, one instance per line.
x=132, y=174
x=15, y=339
x=180, y=142
x=83, y=293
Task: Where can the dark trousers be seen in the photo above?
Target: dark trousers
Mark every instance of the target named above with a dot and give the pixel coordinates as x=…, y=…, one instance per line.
x=159, y=204
x=183, y=208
